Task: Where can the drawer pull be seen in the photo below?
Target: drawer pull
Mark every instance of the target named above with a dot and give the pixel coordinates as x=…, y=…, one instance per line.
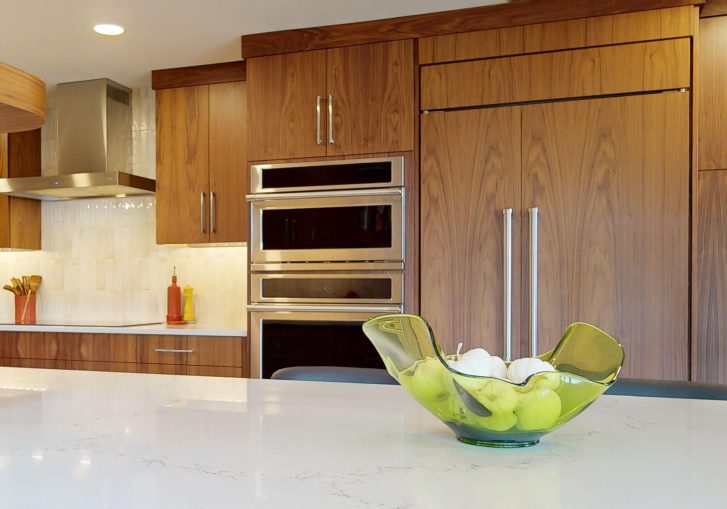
x=172, y=350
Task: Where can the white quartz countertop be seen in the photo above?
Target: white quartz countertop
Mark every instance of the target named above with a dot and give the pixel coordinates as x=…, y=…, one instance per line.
x=118, y=440
x=193, y=329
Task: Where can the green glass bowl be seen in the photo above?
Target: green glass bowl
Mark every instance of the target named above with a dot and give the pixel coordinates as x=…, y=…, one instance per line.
x=489, y=411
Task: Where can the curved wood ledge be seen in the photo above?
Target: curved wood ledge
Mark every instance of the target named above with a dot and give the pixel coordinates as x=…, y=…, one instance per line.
x=22, y=100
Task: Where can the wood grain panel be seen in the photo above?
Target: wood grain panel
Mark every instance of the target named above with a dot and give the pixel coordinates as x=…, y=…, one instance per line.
x=373, y=98
x=214, y=371
x=441, y=23
x=712, y=96
x=19, y=217
x=710, y=346
x=714, y=8
x=282, y=93
x=470, y=173
x=225, y=72
x=228, y=161
x=471, y=45
x=22, y=100
x=641, y=26
x=611, y=179
x=215, y=351
x=619, y=69
x=182, y=129
x=148, y=345
x=556, y=35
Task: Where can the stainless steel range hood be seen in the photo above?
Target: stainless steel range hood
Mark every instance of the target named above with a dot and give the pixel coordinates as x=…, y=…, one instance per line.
x=94, y=147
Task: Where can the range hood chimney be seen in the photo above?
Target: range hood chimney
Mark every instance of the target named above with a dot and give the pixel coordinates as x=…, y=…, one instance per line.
x=94, y=147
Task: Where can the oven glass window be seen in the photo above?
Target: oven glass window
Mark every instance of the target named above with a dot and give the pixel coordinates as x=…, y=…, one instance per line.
x=326, y=288
x=327, y=175
x=286, y=344
x=356, y=227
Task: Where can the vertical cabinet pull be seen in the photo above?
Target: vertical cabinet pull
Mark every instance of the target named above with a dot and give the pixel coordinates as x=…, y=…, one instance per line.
x=507, y=289
x=533, y=321
x=319, y=140
x=330, y=119
x=213, y=207
x=201, y=213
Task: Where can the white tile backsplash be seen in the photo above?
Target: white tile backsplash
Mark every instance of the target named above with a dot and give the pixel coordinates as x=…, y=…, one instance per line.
x=100, y=261
x=99, y=258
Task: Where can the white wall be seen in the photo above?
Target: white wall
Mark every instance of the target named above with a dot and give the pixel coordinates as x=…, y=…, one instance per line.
x=99, y=258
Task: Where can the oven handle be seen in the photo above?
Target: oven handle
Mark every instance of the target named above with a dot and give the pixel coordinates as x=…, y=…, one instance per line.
x=324, y=309
x=326, y=194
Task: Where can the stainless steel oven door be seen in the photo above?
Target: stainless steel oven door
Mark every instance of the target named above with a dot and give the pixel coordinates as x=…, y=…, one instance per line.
x=351, y=226
x=286, y=288
x=305, y=317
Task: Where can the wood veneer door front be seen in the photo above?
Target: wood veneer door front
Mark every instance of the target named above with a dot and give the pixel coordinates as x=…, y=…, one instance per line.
x=710, y=347
x=372, y=89
x=282, y=91
x=611, y=180
x=182, y=165
x=228, y=162
x=470, y=173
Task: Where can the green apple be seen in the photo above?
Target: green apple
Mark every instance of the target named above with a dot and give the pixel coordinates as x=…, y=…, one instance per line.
x=500, y=399
x=428, y=381
x=538, y=409
x=547, y=380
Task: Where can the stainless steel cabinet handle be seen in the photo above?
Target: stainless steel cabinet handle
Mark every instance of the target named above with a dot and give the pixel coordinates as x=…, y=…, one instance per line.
x=213, y=212
x=533, y=322
x=507, y=289
x=201, y=213
x=319, y=140
x=330, y=119
x=172, y=350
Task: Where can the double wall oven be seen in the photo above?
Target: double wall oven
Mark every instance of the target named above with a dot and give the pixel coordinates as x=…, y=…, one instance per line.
x=326, y=254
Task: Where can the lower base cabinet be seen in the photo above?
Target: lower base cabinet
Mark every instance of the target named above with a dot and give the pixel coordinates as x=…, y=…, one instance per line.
x=129, y=353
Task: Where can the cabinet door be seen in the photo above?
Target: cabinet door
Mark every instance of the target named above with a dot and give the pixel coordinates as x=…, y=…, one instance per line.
x=611, y=180
x=470, y=173
x=182, y=165
x=372, y=90
x=710, y=347
x=282, y=91
x=228, y=162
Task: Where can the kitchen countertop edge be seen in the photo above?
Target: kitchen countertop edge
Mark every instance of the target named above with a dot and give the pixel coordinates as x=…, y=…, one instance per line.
x=154, y=329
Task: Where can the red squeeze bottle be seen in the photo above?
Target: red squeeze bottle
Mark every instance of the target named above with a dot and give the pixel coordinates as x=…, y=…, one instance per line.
x=174, y=301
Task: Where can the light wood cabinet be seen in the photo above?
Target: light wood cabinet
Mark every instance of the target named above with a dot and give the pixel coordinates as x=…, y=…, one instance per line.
x=610, y=179
x=712, y=98
x=342, y=101
x=19, y=217
x=201, y=164
x=133, y=353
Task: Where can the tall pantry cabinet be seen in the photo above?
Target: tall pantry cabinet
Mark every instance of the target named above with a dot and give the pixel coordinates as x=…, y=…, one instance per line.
x=605, y=158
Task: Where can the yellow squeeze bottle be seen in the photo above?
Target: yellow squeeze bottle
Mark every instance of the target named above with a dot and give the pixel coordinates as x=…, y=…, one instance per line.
x=188, y=305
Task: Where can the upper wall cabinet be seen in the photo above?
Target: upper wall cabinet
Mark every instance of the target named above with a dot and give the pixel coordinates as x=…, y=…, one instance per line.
x=19, y=217
x=201, y=164
x=712, y=97
x=342, y=101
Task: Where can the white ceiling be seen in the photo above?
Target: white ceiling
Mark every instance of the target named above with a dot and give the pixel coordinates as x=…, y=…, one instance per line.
x=54, y=40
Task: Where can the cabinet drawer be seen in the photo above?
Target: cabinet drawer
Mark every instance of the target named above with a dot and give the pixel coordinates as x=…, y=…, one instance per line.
x=191, y=350
x=627, y=68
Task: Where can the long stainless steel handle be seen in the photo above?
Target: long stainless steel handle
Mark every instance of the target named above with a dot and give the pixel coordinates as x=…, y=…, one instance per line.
x=330, y=119
x=213, y=212
x=319, y=140
x=507, y=289
x=333, y=308
x=533, y=281
x=201, y=213
x=172, y=350
x=326, y=194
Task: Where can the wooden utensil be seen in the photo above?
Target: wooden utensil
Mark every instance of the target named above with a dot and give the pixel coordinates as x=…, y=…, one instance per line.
x=33, y=286
x=17, y=285
x=10, y=289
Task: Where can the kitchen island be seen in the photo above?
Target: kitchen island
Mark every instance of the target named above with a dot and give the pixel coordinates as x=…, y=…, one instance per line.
x=120, y=440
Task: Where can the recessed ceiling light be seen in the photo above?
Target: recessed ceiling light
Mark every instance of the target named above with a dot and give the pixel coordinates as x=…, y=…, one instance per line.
x=108, y=29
